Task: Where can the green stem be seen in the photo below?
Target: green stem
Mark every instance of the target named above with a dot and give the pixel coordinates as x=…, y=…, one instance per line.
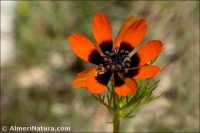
x=116, y=122
x=116, y=118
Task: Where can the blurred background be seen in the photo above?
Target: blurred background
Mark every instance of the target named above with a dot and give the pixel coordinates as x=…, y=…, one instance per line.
x=37, y=65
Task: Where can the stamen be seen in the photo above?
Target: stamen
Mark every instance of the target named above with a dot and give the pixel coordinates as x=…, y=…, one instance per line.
x=110, y=60
x=115, y=50
x=101, y=69
x=127, y=59
x=127, y=64
x=112, y=67
x=103, y=55
x=111, y=54
x=106, y=59
x=100, y=72
x=126, y=52
x=121, y=51
x=100, y=66
x=125, y=71
x=108, y=67
x=118, y=67
x=107, y=52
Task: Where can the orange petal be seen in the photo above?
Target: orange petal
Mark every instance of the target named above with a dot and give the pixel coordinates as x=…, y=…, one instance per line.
x=101, y=27
x=94, y=86
x=81, y=78
x=135, y=33
x=81, y=46
x=98, y=84
x=128, y=86
x=147, y=71
x=149, y=51
x=123, y=30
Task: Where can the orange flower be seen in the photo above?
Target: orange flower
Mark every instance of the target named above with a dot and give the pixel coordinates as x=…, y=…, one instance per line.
x=114, y=58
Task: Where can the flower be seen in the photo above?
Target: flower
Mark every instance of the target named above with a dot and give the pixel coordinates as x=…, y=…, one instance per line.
x=114, y=58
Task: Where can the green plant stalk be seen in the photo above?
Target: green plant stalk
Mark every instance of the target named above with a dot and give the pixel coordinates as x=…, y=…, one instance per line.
x=116, y=122
x=116, y=118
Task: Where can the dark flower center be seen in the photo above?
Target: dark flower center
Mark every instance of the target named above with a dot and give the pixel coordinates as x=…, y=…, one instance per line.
x=115, y=61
